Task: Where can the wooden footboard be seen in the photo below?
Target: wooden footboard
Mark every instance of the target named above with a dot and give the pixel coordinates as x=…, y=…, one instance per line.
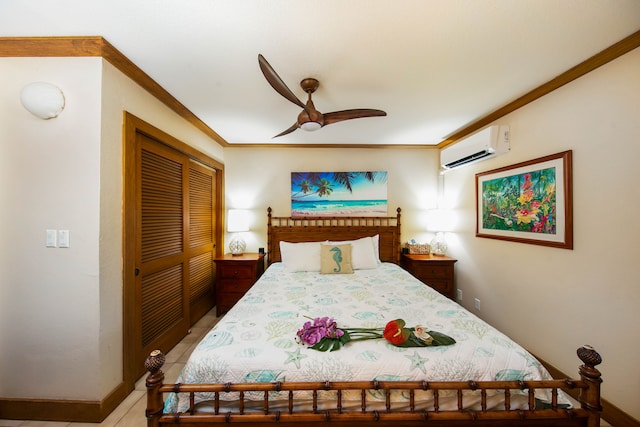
x=218, y=410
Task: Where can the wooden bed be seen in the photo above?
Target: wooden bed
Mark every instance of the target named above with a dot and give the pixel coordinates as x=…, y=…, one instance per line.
x=586, y=387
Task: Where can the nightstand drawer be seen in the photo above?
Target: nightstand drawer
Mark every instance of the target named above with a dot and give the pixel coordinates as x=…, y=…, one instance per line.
x=234, y=271
x=433, y=271
x=234, y=277
x=231, y=285
x=442, y=286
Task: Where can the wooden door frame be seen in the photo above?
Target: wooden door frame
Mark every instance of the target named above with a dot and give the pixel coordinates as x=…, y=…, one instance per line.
x=133, y=126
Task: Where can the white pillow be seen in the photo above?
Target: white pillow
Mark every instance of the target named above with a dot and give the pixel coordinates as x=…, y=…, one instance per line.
x=376, y=247
x=363, y=253
x=303, y=256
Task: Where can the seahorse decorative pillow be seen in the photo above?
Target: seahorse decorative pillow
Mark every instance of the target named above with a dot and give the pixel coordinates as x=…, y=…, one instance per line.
x=335, y=259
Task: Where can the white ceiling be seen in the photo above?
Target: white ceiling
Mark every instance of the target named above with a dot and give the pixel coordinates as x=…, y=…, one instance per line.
x=433, y=65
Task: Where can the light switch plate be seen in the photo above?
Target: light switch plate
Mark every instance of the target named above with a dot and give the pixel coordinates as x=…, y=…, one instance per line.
x=63, y=238
x=52, y=238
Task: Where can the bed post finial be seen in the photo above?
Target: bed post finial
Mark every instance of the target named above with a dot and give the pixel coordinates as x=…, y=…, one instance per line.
x=154, y=381
x=590, y=397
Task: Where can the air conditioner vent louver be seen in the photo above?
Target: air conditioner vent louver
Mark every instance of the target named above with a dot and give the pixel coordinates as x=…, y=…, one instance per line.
x=468, y=159
x=487, y=143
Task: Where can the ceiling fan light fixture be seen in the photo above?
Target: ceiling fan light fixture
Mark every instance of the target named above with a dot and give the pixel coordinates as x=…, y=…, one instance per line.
x=310, y=126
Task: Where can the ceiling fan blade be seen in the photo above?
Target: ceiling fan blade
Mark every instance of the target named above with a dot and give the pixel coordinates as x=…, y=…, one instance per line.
x=291, y=129
x=276, y=82
x=338, y=116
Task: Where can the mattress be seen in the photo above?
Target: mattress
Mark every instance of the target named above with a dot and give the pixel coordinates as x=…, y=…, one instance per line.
x=256, y=339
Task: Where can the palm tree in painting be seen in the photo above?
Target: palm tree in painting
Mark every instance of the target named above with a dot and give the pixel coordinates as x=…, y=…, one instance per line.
x=324, y=188
x=345, y=178
x=305, y=186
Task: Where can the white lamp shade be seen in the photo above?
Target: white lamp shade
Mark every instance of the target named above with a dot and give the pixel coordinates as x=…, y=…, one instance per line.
x=43, y=100
x=440, y=220
x=237, y=220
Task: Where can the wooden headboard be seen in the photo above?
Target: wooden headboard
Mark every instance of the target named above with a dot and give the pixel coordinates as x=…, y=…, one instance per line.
x=315, y=229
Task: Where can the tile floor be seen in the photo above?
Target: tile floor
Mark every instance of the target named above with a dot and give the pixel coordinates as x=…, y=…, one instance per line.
x=130, y=413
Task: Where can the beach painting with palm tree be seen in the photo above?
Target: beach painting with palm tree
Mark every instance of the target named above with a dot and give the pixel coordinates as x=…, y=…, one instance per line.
x=338, y=194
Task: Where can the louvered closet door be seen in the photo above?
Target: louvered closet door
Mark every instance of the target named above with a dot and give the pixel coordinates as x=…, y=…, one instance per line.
x=202, y=198
x=171, y=216
x=163, y=266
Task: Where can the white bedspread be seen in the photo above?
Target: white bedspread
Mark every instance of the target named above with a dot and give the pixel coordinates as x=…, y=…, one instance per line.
x=255, y=341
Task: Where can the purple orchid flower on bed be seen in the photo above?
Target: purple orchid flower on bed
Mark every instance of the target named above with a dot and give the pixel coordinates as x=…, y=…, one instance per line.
x=323, y=334
x=322, y=327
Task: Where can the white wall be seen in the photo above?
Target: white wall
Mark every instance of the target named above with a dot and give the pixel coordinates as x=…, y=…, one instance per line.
x=554, y=300
x=49, y=179
x=259, y=178
x=61, y=309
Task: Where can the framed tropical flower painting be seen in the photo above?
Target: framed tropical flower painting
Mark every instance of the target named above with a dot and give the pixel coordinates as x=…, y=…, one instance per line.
x=528, y=202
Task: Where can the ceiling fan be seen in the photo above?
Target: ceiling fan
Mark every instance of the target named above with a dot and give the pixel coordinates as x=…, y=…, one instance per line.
x=309, y=118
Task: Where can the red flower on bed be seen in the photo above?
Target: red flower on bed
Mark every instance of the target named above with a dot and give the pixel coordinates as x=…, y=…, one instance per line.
x=395, y=332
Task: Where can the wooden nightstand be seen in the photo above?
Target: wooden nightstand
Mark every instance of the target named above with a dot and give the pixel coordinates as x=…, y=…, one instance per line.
x=434, y=271
x=234, y=277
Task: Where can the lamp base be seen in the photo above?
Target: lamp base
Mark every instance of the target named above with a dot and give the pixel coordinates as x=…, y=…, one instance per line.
x=438, y=245
x=237, y=245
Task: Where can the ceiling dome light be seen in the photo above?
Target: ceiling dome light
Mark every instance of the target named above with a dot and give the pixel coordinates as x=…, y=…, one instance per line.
x=310, y=126
x=43, y=100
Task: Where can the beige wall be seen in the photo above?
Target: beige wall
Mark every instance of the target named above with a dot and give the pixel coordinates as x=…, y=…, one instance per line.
x=591, y=293
x=259, y=178
x=49, y=179
x=61, y=309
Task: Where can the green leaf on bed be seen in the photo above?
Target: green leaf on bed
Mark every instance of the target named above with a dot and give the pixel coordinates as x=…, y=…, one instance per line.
x=332, y=344
x=439, y=339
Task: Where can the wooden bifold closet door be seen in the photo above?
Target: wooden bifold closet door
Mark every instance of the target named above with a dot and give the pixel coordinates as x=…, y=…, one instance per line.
x=173, y=227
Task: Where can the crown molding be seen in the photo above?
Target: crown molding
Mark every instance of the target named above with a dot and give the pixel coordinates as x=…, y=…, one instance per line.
x=100, y=47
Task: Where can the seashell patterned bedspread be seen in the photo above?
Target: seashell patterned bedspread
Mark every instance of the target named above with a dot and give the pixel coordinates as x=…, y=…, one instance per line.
x=256, y=340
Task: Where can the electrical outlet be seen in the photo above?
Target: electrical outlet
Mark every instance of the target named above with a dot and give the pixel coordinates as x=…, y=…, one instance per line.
x=476, y=303
x=459, y=294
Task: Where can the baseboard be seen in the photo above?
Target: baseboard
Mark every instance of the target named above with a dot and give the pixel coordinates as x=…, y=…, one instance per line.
x=63, y=410
x=610, y=413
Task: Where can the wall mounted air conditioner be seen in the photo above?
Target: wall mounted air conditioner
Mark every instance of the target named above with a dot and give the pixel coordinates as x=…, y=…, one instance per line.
x=482, y=145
